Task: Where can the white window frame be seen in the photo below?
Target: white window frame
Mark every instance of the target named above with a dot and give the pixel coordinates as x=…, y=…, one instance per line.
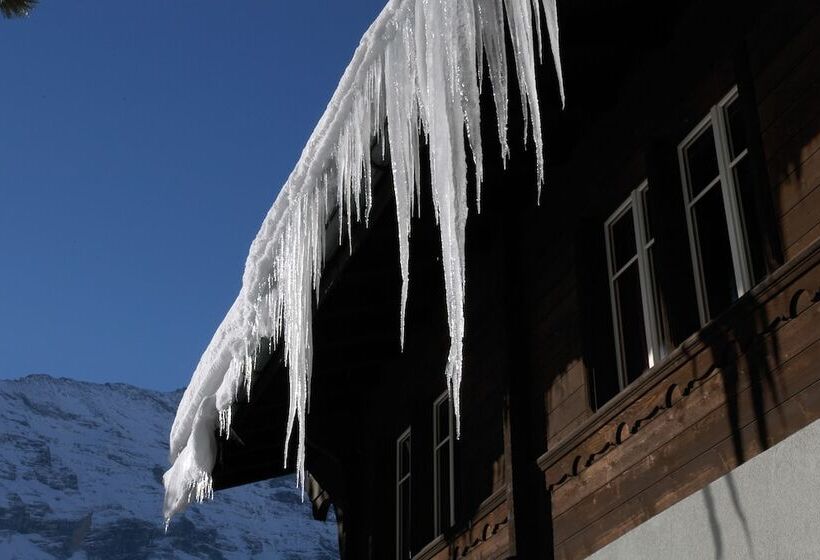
x=734, y=217
x=635, y=204
x=439, y=443
x=400, y=480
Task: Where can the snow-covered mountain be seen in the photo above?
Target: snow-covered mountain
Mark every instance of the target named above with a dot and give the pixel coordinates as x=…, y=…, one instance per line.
x=81, y=478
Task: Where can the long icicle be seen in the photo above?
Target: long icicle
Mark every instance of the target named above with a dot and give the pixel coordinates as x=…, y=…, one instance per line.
x=419, y=68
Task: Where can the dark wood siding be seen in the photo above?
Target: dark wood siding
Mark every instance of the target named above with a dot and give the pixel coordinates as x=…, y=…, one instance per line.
x=746, y=381
x=697, y=422
x=789, y=93
x=539, y=348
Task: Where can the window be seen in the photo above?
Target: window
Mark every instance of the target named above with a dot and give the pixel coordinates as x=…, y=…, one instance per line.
x=715, y=170
x=630, y=244
x=443, y=497
x=403, y=511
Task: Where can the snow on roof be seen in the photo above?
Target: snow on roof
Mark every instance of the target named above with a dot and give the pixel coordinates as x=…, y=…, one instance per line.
x=416, y=71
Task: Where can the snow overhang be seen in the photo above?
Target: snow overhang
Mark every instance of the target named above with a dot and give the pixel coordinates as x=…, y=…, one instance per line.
x=415, y=75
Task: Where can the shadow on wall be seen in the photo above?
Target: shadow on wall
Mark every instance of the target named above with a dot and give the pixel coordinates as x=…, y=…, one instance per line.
x=745, y=354
x=787, y=110
x=745, y=351
x=714, y=522
x=744, y=347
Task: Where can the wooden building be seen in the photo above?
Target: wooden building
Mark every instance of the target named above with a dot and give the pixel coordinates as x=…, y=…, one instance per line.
x=646, y=330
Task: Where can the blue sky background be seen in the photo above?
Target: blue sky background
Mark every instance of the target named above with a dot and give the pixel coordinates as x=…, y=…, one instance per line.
x=141, y=145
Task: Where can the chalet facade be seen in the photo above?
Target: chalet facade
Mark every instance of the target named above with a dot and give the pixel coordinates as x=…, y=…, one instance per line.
x=641, y=347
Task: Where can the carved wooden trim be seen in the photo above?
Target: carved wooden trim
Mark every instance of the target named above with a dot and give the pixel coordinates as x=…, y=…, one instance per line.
x=488, y=506
x=489, y=531
x=801, y=299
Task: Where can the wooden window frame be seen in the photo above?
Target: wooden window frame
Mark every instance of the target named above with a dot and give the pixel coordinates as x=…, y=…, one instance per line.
x=636, y=204
x=400, y=480
x=438, y=444
x=741, y=258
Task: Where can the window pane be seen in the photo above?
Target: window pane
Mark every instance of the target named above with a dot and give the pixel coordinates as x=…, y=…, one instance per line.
x=443, y=420
x=702, y=162
x=737, y=128
x=715, y=252
x=630, y=311
x=405, y=552
x=443, y=465
x=623, y=240
x=660, y=316
x=754, y=235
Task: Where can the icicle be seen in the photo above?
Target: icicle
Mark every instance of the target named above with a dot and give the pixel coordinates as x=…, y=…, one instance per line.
x=415, y=77
x=225, y=422
x=467, y=76
x=202, y=489
x=520, y=18
x=445, y=126
x=535, y=6
x=400, y=101
x=491, y=19
x=551, y=11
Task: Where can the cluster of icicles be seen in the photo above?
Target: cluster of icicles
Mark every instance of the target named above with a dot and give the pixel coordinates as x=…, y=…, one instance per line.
x=416, y=72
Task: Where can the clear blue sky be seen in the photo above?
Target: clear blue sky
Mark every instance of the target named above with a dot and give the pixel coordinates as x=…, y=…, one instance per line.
x=141, y=144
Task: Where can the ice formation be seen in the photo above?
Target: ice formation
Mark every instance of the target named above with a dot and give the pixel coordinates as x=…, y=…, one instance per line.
x=417, y=74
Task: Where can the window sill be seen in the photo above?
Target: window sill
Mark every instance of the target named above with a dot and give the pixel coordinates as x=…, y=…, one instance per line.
x=766, y=290
x=433, y=547
x=444, y=540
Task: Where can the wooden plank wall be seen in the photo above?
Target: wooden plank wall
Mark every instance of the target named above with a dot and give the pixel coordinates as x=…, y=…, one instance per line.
x=715, y=402
x=696, y=422
x=486, y=538
x=788, y=91
x=728, y=393
x=557, y=330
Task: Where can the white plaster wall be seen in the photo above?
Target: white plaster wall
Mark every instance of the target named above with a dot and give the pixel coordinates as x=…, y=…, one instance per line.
x=768, y=508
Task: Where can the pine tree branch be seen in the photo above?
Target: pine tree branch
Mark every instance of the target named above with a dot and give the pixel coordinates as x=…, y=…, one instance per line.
x=16, y=8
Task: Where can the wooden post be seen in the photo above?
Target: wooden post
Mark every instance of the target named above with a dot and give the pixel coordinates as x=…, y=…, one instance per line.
x=523, y=417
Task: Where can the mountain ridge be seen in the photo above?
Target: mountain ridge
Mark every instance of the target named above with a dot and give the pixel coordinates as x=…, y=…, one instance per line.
x=81, y=465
